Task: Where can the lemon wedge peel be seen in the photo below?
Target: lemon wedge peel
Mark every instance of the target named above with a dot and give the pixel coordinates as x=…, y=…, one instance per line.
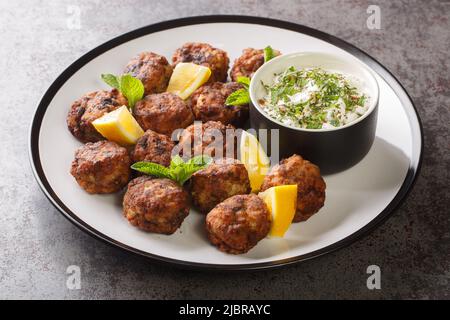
x=282, y=204
x=254, y=159
x=119, y=126
x=186, y=78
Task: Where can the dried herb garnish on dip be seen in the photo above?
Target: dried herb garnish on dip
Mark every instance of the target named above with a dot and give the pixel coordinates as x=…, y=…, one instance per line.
x=313, y=98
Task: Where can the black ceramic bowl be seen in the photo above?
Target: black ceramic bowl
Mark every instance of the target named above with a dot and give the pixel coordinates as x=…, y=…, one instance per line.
x=334, y=149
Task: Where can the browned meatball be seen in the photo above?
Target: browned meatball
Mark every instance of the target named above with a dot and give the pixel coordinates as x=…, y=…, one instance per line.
x=90, y=107
x=211, y=138
x=247, y=64
x=310, y=184
x=155, y=205
x=205, y=55
x=163, y=113
x=208, y=103
x=101, y=167
x=153, y=147
x=219, y=181
x=238, y=224
x=152, y=69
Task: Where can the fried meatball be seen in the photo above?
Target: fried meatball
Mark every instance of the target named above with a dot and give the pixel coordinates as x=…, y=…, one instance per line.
x=90, y=107
x=237, y=224
x=247, y=64
x=155, y=205
x=310, y=184
x=211, y=138
x=219, y=181
x=163, y=113
x=101, y=167
x=153, y=147
x=205, y=55
x=152, y=69
x=208, y=103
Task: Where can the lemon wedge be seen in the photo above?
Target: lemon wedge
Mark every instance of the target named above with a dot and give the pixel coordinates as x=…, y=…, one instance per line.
x=282, y=204
x=254, y=159
x=186, y=78
x=119, y=126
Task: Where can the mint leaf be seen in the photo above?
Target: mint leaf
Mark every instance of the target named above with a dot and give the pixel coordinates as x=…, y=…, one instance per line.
x=202, y=160
x=111, y=80
x=187, y=173
x=132, y=88
x=268, y=53
x=179, y=174
x=238, y=97
x=184, y=172
x=245, y=81
x=153, y=169
x=176, y=161
x=178, y=171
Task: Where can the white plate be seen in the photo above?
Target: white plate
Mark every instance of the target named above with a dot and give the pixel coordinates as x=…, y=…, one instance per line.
x=356, y=199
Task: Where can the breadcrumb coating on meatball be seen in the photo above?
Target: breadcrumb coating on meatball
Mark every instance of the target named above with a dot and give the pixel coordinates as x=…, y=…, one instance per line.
x=208, y=104
x=163, y=113
x=310, y=184
x=237, y=224
x=204, y=54
x=219, y=181
x=152, y=69
x=247, y=64
x=211, y=138
x=90, y=107
x=153, y=147
x=155, y=205
x=101, y=167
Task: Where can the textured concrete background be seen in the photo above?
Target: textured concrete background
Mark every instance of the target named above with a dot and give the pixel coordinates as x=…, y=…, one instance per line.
x=37, y=243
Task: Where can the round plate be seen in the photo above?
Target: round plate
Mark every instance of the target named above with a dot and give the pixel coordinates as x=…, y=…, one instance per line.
x=357, y=199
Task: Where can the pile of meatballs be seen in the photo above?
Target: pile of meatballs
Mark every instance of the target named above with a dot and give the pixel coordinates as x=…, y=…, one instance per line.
x=236, y=220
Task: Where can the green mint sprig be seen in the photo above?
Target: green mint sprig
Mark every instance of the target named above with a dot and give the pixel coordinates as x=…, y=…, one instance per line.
x=131, y=87
x=268, y=54
x=241, y=96
x=178, y=171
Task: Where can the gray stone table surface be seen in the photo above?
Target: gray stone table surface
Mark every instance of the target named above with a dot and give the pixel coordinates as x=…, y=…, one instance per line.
x=37, y=243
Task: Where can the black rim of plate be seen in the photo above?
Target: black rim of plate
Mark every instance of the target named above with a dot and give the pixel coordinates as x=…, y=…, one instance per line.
x=410, y=109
